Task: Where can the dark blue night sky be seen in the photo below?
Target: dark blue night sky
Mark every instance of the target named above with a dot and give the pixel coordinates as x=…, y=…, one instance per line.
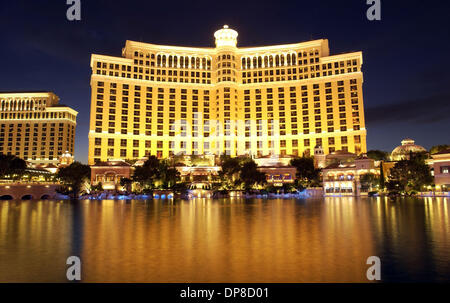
x=406, y=54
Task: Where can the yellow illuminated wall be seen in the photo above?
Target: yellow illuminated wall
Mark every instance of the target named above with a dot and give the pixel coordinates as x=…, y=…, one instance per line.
x=34, y=127
x=283, y=99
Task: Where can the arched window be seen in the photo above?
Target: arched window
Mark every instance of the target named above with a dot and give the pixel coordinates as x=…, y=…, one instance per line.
x=243, y=63
x=170, y=61
x=197, y=62
x=282, y=60
x=294, y=59
x=181, y=61
x=288, y=59
x=271, y=61
x=277, y=60
x=259, y=62
x=266, y=61
x=158, y=60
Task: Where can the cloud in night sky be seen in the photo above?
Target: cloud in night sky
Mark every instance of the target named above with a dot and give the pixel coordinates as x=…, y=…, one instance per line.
x=425, y=110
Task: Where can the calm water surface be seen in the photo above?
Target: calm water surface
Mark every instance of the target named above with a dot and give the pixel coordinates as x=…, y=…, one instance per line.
x=312, y=240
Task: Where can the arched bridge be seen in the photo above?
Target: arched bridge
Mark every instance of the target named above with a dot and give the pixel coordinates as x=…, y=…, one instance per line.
x=28, y=191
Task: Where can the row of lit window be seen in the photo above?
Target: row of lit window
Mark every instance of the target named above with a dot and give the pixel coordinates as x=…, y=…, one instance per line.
x=294, y=77
x=113, y=85
x=294, y=143
x=34, y=155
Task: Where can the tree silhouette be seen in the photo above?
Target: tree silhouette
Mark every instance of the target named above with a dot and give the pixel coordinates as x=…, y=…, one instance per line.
x=10, y=165
x=73, y=177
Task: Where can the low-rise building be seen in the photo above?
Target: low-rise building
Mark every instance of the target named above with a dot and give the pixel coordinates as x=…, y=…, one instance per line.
x=199, y=176
x=277, y=169
x=441, y=170
x=321, y=160
x=279, y=175
x=403, y=151
x=343, y=178
x=109, y=173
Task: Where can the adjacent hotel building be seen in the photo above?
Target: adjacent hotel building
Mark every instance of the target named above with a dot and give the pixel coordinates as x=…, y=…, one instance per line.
x=271, y=100
x=34, y=127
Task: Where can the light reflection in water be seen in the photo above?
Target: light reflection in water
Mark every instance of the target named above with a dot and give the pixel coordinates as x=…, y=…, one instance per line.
x=327, y=240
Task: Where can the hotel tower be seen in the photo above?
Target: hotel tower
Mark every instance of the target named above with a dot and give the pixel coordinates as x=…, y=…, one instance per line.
x=35, y=127
x=270, y=100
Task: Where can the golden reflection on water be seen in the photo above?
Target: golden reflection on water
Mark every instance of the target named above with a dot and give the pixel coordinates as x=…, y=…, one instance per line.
x=324, y=240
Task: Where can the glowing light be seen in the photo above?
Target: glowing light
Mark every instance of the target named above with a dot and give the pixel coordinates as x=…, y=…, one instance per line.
x=226, y=37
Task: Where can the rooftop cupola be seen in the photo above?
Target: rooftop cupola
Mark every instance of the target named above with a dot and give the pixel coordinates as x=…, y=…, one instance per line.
x=226, y=37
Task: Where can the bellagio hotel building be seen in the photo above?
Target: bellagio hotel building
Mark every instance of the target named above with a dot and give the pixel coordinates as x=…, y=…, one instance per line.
x=35, y=127
x=259, y=101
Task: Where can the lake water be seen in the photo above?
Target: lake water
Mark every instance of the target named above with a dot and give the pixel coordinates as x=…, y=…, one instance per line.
x=311, y=240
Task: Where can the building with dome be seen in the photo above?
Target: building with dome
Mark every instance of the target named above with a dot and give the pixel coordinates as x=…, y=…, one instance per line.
x=403, y=151
x=65, y=159
x=270, y=100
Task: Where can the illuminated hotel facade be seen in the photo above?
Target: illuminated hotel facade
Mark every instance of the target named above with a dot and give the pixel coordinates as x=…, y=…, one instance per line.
x=34, y=127
x=272, y=100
